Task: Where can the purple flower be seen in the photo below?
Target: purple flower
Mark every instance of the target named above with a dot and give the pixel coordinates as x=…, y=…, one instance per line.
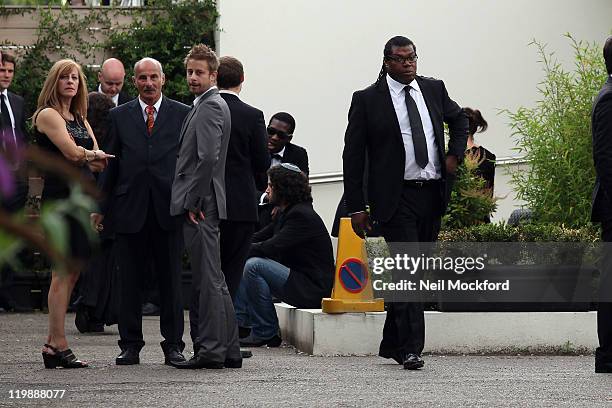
x=7, y=181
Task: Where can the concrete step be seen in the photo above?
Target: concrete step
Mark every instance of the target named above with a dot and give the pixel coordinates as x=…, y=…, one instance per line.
x=314, y=332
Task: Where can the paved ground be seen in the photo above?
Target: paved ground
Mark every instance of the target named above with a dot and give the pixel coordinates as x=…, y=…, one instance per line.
x=282, y=378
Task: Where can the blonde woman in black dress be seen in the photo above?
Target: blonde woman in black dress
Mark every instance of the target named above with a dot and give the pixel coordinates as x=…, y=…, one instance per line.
x=61, y=129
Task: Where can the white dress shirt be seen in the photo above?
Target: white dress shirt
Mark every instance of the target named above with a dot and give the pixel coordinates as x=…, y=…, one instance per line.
x=412, y=171
x=114, y=98
x=275, y=160
x=143, y=107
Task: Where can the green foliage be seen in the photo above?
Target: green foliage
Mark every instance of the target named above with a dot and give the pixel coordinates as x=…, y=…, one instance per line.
x=501, y=232
x=470, y=202
x=62, y=33
x=162, y=30
x=555, y=137
x=165, y=31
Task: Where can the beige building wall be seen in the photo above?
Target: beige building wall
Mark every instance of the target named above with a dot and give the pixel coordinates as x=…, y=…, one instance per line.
x=308, y=56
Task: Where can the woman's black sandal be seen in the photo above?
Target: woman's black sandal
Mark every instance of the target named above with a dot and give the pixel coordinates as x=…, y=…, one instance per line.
x=64, y=359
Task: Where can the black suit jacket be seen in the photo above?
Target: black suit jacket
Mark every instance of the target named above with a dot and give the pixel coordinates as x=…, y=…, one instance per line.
x=247, y=156
x=19, y=116
x=124, y=98
x=293, y=154
x=142, y=173
x=299, y=240
x=373, y=129
x=601, y=125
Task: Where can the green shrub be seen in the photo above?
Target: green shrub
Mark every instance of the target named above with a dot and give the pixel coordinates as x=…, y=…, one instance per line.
x=555, y=138
x=501, y=232
x=470, y=202
x=165, y=30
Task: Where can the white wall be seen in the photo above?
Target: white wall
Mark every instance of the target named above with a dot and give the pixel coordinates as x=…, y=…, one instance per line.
x=308, y=56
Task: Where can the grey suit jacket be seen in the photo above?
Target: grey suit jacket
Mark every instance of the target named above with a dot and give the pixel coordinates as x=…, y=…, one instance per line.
x=200, y=165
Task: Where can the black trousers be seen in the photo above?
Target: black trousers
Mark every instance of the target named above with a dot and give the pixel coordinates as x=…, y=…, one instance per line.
x=415, y=220
x=236, y=239
x=135, y=250
x=603, y=353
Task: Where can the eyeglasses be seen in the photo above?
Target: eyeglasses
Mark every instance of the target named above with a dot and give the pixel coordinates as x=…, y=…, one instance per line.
x=402, y=60
x=281, y=135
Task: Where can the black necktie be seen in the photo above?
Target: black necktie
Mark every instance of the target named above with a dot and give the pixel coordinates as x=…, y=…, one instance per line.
x=277, y=157
x=416, y=126
x=7, y=127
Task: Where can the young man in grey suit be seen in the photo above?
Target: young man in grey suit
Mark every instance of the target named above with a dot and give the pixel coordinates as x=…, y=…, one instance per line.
x=198, y=196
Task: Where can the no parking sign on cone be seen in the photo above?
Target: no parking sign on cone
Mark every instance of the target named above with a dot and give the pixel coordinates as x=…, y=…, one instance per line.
x=352, y=284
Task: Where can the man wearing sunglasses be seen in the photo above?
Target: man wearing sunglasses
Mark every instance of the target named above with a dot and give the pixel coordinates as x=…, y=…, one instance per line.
x=398, y=124
x=280, y=132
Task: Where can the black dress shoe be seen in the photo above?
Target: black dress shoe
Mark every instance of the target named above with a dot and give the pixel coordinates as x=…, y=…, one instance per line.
x=251, y=341
x=246, y=353
x=128, y=357
x=413, y=362
x=232, y=363
x=196, y=362
x=603, y=367
x=173, y=356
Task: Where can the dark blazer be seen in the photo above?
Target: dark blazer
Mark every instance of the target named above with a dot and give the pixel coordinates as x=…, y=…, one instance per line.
x=601, y=125
x=299, y=240
x=373, y=127
x=19, y=116
x=247, y=156
x=297, y=155
x=293, y=154
x=143, y=170
x=124, y=98
x=19, y=197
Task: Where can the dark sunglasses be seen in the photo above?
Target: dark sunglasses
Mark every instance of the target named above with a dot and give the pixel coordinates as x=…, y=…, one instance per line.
x=281, y=135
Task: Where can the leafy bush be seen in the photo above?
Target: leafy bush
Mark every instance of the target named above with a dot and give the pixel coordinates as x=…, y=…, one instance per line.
x=470, y=202
x=555, y=137
x=165, y=30
x=501, y=232
x=162, y=30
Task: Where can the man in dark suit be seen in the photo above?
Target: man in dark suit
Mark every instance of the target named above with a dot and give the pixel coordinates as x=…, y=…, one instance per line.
x=199, y=202
x=292, y=259
x=111, y=78
x=280, y=133
x=145, y=138
x=601, y=125
x=12, y=132
x=398, y=123
x=12, y=136
x=247, y=156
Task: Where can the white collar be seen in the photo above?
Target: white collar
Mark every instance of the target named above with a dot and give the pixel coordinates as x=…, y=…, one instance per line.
x=398, y=87
x=5, y=93
x=157, y=104
x=282, y=152
x=115, y=98
x=227, y=91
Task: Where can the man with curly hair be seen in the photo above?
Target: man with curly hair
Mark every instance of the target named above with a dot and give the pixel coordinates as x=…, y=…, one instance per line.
x=291, y=259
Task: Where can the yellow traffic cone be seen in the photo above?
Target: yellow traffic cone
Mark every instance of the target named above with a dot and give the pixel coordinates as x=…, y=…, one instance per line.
x=352, y=284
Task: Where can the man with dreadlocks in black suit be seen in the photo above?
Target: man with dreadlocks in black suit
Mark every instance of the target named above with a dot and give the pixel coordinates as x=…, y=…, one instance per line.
x=398, y=123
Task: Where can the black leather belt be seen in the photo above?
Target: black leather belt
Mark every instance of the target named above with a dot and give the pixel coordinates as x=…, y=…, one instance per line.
x=421, y=183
